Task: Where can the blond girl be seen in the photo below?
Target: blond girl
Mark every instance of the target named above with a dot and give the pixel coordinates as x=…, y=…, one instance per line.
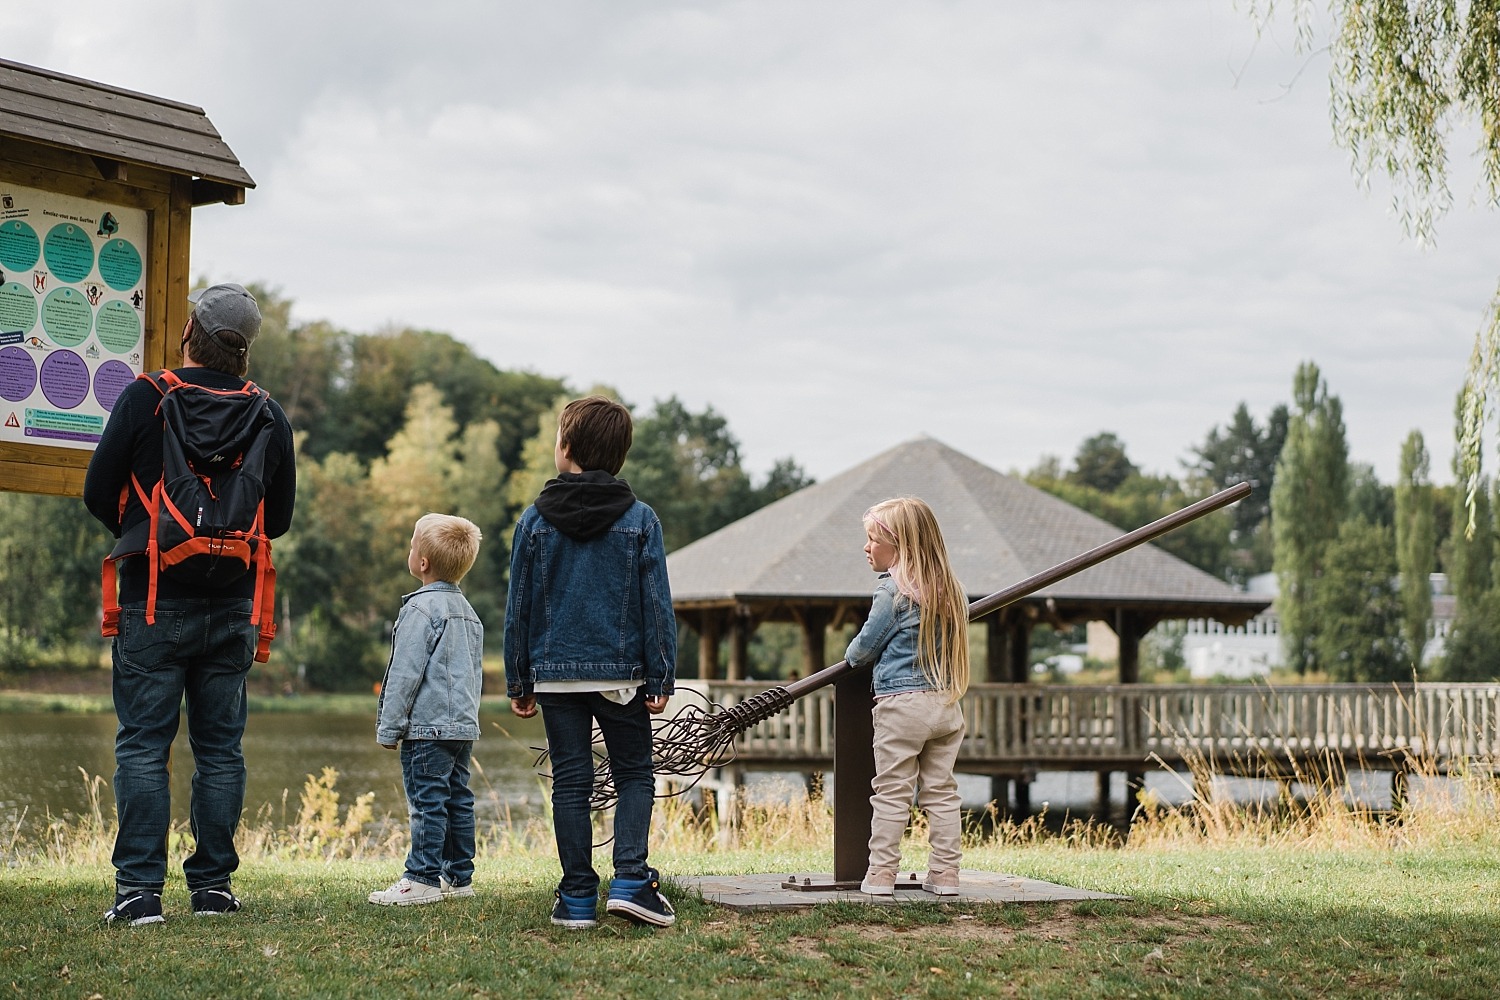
x=916, y=640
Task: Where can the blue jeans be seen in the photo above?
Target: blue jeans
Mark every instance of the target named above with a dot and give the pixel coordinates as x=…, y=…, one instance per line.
x=570, y=719
x=200, y=650
x=436, y=776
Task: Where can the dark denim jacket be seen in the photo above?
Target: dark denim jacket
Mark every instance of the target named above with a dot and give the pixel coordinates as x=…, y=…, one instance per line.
x=431, y=686
x=889, y=641
x=597, y=610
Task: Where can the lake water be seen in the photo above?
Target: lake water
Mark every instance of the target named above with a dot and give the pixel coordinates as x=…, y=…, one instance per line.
x=44, y=756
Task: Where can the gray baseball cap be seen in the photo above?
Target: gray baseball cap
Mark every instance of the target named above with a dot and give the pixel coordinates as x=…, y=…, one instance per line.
x=227, y=307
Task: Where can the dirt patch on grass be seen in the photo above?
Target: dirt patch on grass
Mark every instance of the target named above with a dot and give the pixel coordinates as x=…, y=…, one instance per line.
x=1002, y=925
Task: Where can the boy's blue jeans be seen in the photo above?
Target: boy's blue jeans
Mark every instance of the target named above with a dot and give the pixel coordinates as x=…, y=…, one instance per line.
x=436, y=776
x=201, y=650
x=570, y=719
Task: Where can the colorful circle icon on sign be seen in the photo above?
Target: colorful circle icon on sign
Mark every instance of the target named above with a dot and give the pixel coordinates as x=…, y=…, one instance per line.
x=67, y=316
x=69, y=252
x=109, y=381
x=19, y=247
x=17, y=374
x=120, y=265
x=118, y=327
x=65, y=379
x=17, y=308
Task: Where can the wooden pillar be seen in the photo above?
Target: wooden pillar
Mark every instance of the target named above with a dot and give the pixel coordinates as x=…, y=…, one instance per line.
x=708, y=644
x=814, y=622
x=1103, y=807
x=997, y=647
x=1020, y=649
x=1129, y=627
x=740, y=627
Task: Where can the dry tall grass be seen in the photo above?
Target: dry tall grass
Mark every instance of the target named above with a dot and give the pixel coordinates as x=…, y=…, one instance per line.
x=1459, y=807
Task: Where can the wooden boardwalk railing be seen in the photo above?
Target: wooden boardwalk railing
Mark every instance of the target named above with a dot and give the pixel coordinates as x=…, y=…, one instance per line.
x=1254, y=728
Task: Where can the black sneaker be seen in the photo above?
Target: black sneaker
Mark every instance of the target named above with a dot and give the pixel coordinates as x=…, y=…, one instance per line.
x=214, y=902
x=640, y=900
x=134, y=908
x=576, y=913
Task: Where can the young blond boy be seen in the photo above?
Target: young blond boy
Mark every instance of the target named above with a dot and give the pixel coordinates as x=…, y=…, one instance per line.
x=429, y=703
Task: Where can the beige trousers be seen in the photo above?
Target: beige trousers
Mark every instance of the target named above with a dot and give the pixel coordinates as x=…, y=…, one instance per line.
x=917, y=736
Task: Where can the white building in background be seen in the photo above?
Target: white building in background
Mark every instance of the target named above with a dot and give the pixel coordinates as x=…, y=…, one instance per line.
x=1212, y=649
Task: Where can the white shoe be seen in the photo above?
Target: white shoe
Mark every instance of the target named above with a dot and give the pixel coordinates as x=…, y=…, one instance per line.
x=407, y=893
x=451, y=891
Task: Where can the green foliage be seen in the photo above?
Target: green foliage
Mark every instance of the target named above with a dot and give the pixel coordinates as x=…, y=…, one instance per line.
x=687, y=467
x=50, y=552
x=1308, y=502
x=1358, y=609
x=1370, y=499
x=1140, y=499
x=1244, y=452
x=1472, y=652
x=1416, y=545
x=1101, y=464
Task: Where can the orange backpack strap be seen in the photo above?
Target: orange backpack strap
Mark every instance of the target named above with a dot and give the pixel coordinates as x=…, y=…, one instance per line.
x=109, y=587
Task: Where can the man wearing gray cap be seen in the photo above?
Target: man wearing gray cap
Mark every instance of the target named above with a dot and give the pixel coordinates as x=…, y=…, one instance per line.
x=179, y=640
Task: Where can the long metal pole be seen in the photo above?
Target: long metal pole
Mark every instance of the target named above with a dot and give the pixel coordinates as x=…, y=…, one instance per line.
x=985, y=605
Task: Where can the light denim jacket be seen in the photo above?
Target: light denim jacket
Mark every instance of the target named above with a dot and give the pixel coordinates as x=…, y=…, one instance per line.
x=431, y=685
x=888, y=640
x=596, y=610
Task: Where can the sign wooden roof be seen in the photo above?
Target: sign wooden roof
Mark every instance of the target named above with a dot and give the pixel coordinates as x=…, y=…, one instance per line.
x=120, y=126
x=1000, y=530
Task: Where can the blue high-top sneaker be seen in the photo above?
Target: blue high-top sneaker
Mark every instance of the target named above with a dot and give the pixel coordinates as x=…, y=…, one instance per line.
x=576, y=913
x=640, y=900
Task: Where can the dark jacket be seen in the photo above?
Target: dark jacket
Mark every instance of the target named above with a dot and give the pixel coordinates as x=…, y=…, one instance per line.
x=589, y=598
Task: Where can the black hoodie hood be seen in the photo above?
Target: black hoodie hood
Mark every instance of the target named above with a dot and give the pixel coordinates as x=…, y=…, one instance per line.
x=582, y=505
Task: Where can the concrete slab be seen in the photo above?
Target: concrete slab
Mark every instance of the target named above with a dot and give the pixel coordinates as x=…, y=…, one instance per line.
x=765, y=892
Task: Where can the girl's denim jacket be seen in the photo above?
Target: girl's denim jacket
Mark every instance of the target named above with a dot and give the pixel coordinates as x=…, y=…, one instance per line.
x=431, y=685
x=888, y=640
x=598, y=609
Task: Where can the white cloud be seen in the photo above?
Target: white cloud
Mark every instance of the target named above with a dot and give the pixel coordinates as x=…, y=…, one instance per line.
x=841, y=224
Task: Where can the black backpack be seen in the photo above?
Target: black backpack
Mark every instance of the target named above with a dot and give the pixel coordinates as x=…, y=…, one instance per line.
x=205, y=517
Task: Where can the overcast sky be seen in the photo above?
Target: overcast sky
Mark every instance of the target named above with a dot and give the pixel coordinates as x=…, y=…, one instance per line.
x=1007, y=225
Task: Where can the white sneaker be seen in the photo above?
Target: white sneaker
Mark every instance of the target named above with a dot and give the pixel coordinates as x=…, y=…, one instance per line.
x=407, y=893
x=451, y=891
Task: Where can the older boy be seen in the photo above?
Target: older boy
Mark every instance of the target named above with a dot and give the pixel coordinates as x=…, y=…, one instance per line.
x=590, y=637
x=429, y=701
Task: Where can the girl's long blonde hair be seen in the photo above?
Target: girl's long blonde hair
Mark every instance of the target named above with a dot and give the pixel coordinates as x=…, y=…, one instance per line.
x=923, y=575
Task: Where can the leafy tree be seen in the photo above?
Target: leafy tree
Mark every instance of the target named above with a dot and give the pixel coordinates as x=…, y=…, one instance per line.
x=1416, y=548
x=384, y=369
x=50, y=551
x=1308, y=503
x=1472, y=652
x=1470, y=553
x=1357, y=608
x=687, y=467
x=1409, y=80
x=330, y=600
x=1243, y=452
x=1369, y=498
x=1101, y=463
x=1141, y=499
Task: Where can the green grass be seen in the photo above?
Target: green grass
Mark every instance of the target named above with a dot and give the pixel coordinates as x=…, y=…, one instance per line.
x=1212, y=922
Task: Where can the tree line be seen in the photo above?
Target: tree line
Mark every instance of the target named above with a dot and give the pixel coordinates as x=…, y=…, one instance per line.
x=388, y=426
x=393, y=424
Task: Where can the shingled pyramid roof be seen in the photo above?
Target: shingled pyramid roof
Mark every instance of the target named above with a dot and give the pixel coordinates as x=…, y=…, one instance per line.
x=999, y=530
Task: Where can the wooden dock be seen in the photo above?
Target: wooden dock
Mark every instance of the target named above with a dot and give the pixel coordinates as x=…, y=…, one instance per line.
x=1017, y=729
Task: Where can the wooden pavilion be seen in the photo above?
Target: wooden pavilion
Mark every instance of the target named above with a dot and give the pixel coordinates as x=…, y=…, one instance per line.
x=800, y=560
